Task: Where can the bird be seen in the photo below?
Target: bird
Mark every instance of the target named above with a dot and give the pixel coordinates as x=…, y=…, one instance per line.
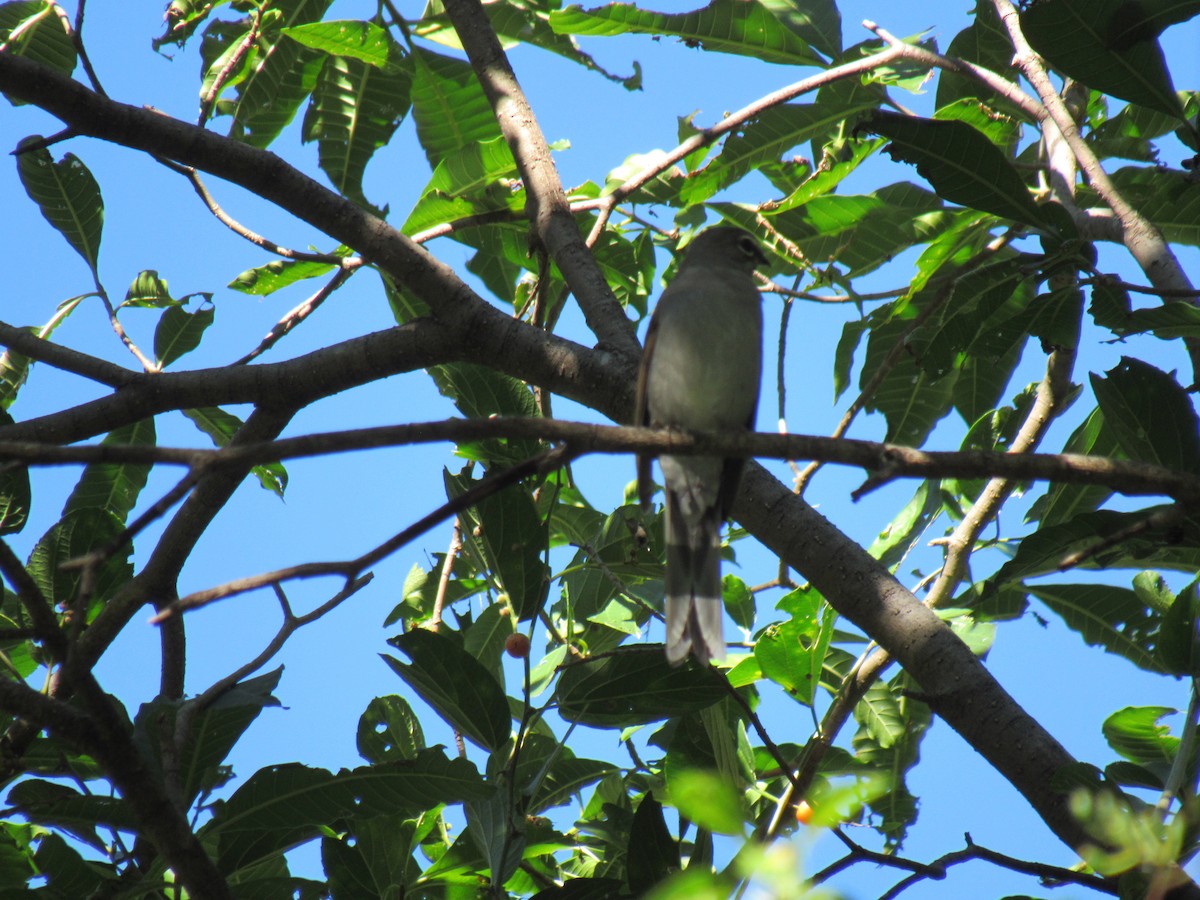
x=700, y=370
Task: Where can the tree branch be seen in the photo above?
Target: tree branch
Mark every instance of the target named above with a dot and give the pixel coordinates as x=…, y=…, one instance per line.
x=546, y=201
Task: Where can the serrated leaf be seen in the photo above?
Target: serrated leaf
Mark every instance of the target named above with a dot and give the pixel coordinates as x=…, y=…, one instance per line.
x=179, y=332
x=1087, y=39
x=1151, y=416
x=746, y=27
x=455, y=684
x=68, y=197
x=963, y=166
x=221, y=426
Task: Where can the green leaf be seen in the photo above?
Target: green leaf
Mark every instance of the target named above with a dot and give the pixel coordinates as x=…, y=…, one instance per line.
x=634, y=687
x=1169, y=198
x=1054, y=318
x=455, y=684
x=221, y=426
x=962, y=165
x=179, y=332
x=856, y=232
x=212, y=734
x=843, y=364
x=1151, y=416
x=274, y=78
x=908, y=528
x=389, y=730
x=748, y=27
x=739, y=602
x=526, y=23
x=1043, y=551
x=880, y=713
x=449, y=106
x=114, y=486
x=264, y=280
x=1178, y=642
x=149, y=291
x=14, y=367
x=708, y=800
x=984, y=42
x=1106, y=616
x=68, y=197
x=16, y=494
x=511, y=539
x=79, y=532
x=79, y=814
x=355, y=110
x=1061, y=502
x=480, y=393
x=42, y=38
x=280, y=807
x=68, y=874
x=1134, y=733
x=498, y=835
x=912, y=402
x=765, y=139
x=364, y=41
x=651, y=852
x=566, y=777
x=1088, y=40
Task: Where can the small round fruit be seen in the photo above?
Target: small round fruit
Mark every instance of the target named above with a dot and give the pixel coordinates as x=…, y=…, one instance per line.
x=516, y=645
x=804, y=812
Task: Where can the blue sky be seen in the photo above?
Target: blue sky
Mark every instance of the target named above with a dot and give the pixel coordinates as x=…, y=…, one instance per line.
x=336, y=508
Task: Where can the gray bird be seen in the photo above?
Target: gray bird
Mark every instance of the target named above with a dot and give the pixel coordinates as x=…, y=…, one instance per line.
x=700, y=371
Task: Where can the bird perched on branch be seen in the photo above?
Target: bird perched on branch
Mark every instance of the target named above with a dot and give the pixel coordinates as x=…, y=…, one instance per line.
x=700, y=371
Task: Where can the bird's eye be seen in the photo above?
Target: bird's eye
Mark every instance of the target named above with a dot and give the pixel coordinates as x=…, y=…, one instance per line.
x=749, y=247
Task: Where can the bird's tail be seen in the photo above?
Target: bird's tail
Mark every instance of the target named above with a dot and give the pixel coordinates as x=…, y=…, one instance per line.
x=695, y=612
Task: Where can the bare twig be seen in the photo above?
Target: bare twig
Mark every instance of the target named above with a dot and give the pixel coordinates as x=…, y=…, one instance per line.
x=352, y=568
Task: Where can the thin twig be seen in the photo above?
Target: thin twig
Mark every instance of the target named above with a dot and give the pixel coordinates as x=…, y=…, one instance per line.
x=352, y=568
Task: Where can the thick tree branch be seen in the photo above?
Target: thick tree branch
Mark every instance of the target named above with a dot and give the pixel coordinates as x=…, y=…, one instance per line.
x=955, y=683
x=546, y=202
